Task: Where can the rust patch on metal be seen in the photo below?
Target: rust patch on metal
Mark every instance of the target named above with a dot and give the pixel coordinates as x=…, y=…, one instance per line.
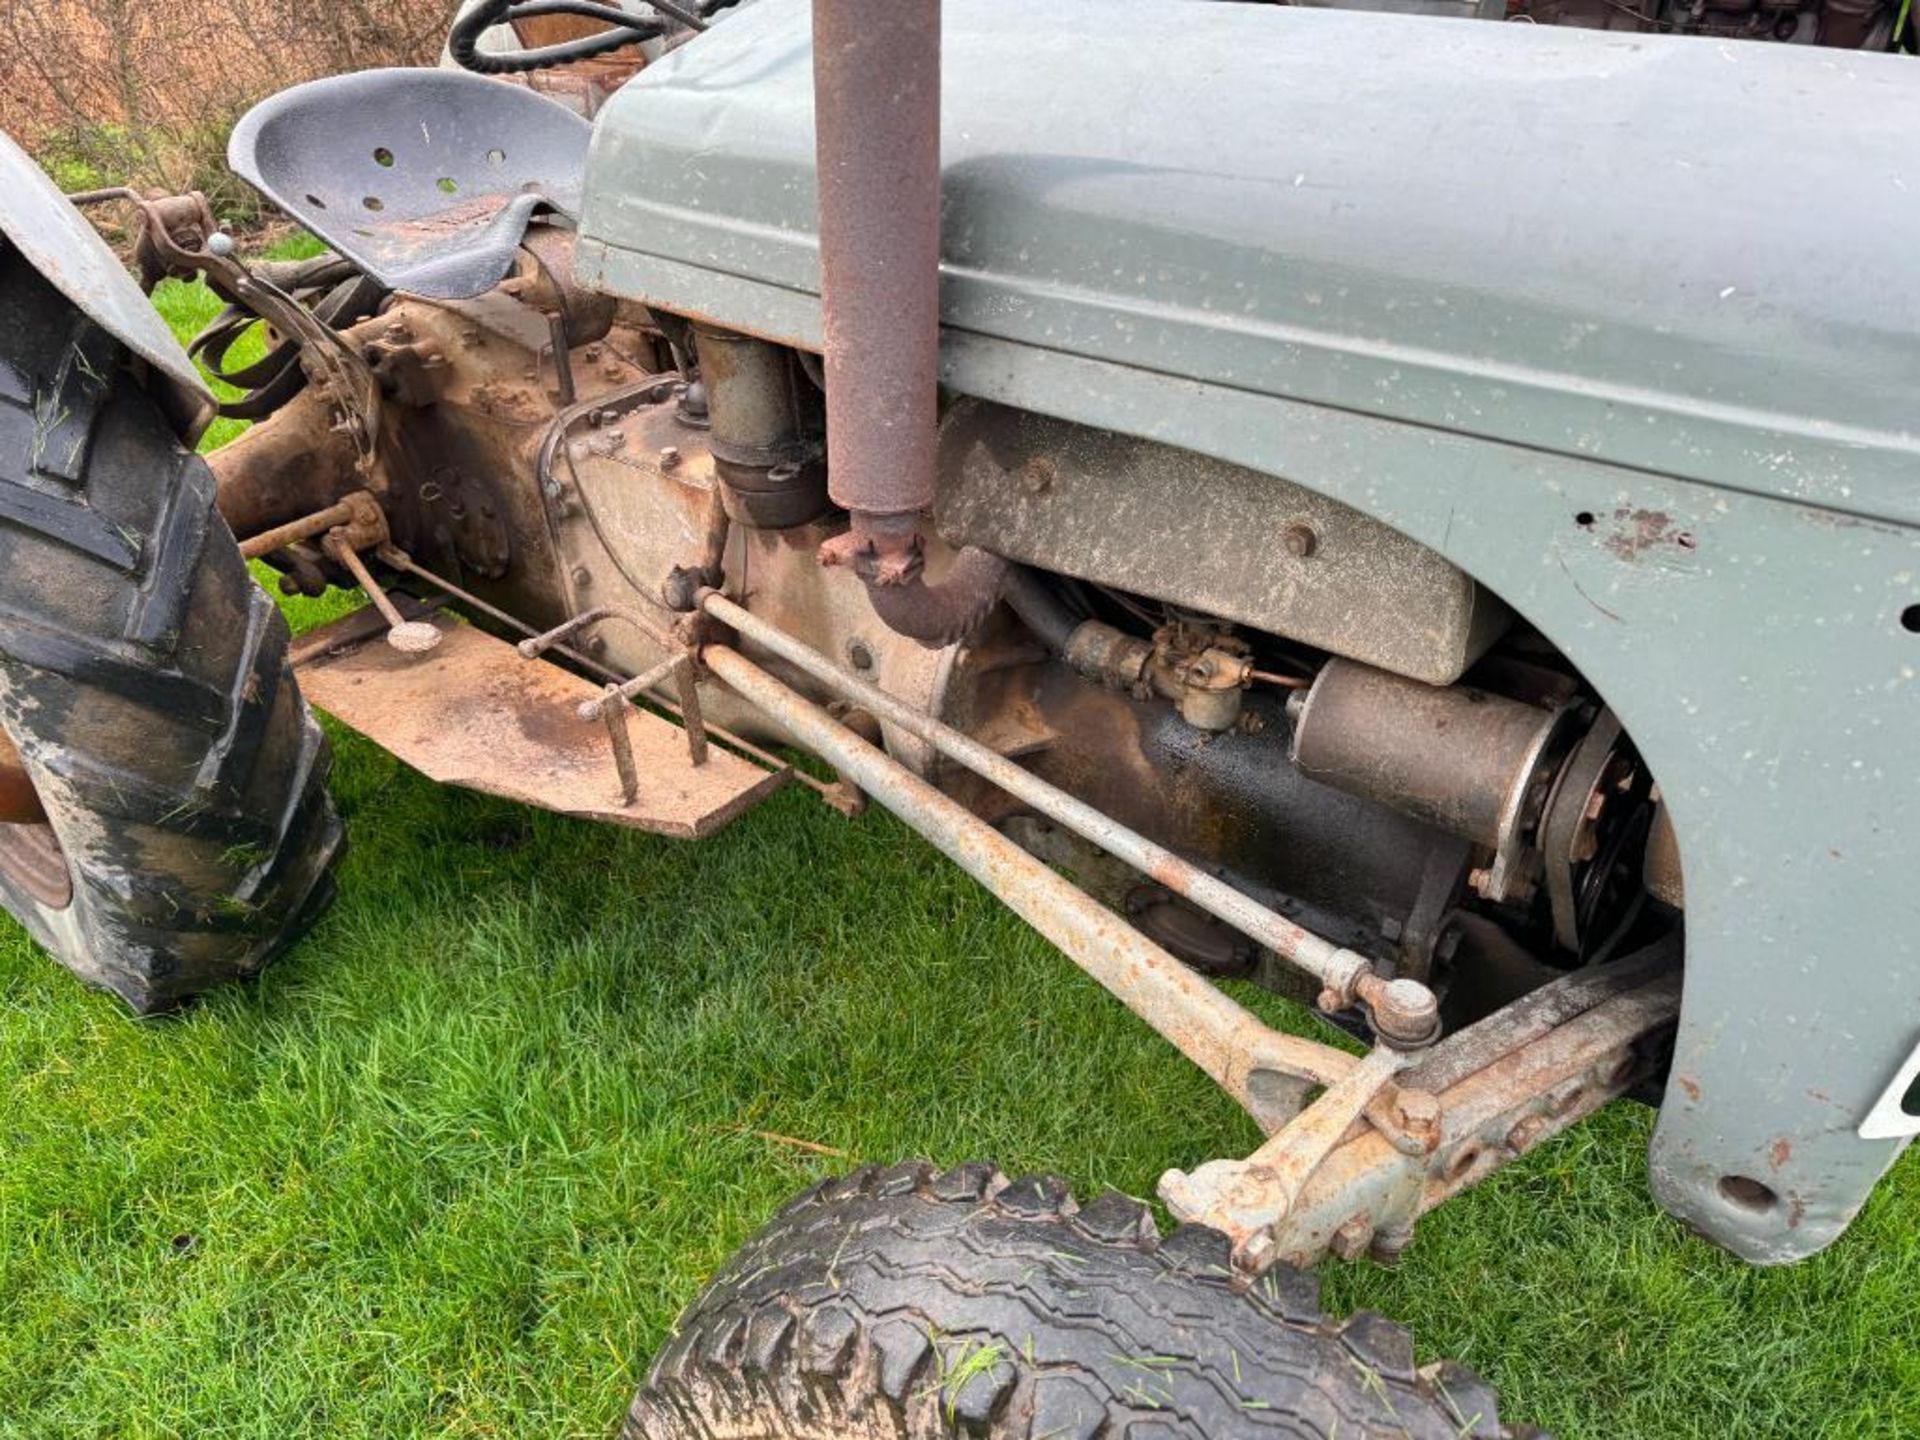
x=1636, y=531
x=441, y=222
x=473, y=712
x=1780, y=1153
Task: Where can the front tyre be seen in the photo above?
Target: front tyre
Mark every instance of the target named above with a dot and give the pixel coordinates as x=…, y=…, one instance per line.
x=170, y=825
x=907, y=1305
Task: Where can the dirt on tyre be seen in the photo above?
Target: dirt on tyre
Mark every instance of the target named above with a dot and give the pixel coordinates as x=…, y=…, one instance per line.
x=181, y=831
x=906, y=1304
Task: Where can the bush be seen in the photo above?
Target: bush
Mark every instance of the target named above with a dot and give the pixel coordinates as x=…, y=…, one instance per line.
x=133, y=92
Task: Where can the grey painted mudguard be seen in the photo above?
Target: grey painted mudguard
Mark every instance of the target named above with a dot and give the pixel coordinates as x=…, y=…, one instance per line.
x=1627, y=327
x=37, y=219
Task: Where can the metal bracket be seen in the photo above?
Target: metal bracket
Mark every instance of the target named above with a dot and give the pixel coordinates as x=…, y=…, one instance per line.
x=613, y=704
x=1439, y=1123
x=1246, y=1199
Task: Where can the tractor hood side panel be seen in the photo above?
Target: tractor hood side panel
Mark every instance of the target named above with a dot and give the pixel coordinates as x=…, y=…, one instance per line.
x=1614, y=323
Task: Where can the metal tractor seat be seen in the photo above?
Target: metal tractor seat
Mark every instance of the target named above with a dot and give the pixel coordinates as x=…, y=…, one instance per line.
x=426, y=179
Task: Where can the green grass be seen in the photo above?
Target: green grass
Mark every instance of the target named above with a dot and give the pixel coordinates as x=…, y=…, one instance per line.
x=451, y=1167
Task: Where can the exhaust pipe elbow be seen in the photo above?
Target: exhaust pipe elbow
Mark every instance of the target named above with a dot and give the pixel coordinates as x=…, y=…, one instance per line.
x=885, y=552
x=941, y=615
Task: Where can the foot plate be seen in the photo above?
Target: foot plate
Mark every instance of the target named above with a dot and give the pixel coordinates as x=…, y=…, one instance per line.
x=472, y=712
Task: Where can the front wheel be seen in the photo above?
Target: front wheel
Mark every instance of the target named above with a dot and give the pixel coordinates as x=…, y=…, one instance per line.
x=913, y=1306
x=163, y=795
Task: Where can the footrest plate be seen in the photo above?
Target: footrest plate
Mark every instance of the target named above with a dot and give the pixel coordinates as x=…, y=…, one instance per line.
x=473, y=712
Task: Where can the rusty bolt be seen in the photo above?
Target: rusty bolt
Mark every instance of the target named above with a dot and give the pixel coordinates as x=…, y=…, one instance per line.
x=582, y=576
x=1299, y=539
x=669, y=456
x=1417, y=1112
x=1479, y=879
x=1351, y=1240
x=594, y=644
x=1527, y=1134
x=1254, y=1253
x=593, y=353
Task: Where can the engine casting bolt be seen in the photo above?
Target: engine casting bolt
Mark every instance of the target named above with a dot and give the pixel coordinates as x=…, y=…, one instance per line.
x=669, y=457
x=582, y=576
x=1299, y=540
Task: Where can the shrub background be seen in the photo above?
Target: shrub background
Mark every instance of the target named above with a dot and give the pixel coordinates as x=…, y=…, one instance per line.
x=143, y=92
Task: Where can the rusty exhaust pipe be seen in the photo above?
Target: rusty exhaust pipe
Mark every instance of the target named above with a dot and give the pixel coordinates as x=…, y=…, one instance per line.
x=876, y=85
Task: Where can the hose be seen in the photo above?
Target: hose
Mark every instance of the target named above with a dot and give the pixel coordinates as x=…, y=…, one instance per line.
x=1039, y=608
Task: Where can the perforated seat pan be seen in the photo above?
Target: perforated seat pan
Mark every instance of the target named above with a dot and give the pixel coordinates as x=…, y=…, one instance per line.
x=426, y=179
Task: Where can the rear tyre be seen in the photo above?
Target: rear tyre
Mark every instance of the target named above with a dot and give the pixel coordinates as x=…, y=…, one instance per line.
x=903, y=1304
x=144, y=680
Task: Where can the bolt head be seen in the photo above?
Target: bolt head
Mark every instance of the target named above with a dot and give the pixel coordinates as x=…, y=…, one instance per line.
x=1525, y=1135
x=669, y=456
x=1255, y=1253
x=1351, y=1240
x=1417, y=1111
x=1299, y=540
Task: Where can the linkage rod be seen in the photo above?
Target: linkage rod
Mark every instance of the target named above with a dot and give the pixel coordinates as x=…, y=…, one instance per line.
x=1346, y=974
x=1224, y=1039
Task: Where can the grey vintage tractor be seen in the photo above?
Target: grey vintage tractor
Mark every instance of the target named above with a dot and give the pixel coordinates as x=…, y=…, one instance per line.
x=1421, y=515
